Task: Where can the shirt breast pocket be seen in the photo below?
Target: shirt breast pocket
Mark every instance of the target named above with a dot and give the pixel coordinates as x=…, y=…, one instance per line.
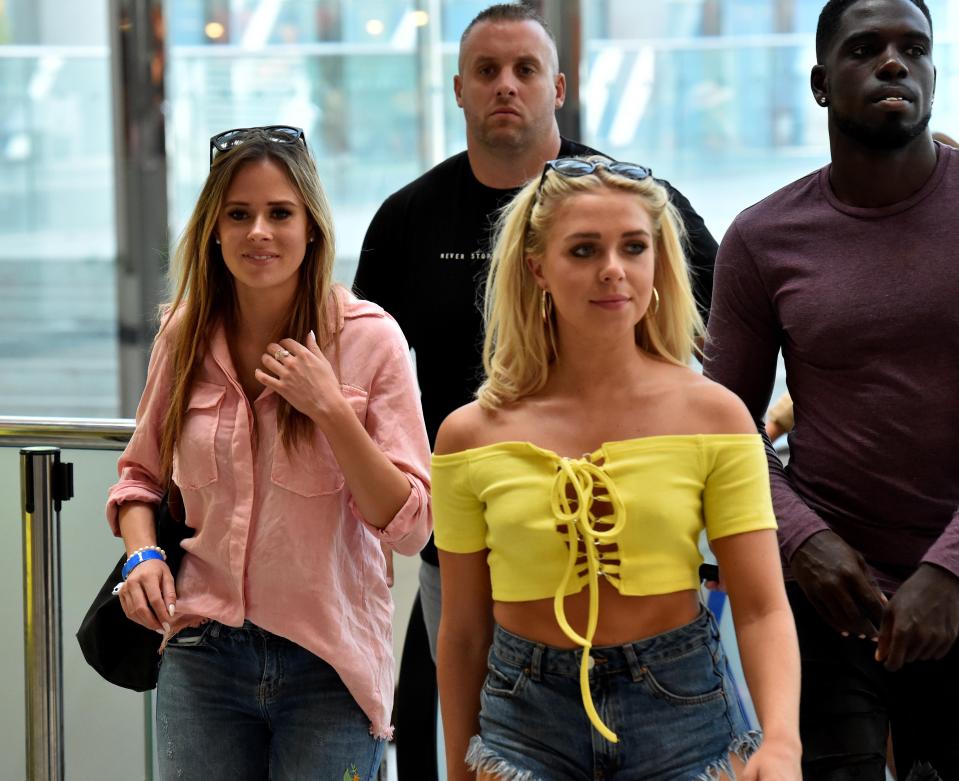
x=194, y=458
x=312, y=470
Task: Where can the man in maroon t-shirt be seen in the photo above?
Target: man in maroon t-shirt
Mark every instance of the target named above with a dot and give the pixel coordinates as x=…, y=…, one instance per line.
x=853, y=272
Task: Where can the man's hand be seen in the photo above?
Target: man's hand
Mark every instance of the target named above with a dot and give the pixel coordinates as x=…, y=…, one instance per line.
x=835, y=580
x=922, y=620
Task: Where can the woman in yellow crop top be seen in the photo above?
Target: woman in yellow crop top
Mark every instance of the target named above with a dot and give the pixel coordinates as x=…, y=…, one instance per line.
x=568, y=501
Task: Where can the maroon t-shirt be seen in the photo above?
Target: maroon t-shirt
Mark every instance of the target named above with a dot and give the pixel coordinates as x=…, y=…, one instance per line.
x=864, y=304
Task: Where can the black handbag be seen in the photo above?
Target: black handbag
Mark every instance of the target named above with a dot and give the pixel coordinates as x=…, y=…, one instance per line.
x=123, y=652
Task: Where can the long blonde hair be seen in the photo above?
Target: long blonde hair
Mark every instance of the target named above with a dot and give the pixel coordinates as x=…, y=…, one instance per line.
x=519, y=346
x=205, y=292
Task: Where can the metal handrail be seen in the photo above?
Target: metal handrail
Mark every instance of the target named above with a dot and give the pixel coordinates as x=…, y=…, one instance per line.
x=44, y=483
x=66, y=433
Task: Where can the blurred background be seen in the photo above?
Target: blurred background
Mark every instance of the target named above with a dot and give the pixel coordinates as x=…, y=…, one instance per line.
x=713, y=94
x=106, y=108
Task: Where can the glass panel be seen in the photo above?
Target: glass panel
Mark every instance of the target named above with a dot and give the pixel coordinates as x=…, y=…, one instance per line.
x=347, y=73
x=714, y=94
x=57, y=246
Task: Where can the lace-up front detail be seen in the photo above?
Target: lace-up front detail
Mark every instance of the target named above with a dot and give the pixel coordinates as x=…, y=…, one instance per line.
x=590, y=514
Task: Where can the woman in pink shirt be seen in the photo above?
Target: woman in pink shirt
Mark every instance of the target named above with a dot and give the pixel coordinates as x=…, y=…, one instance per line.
x=286, y=413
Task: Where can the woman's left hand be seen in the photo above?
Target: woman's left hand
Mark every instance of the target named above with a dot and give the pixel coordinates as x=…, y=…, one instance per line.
x=774, y=762
x=303, y=376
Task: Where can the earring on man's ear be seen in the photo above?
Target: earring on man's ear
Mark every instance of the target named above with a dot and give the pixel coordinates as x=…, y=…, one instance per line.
x=822, y=99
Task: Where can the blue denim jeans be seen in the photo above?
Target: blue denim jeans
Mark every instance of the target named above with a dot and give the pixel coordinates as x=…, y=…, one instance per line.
x=244, y=704
x=666, y=697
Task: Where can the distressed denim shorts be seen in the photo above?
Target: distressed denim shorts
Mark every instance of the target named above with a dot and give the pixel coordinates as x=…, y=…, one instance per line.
x=667, y=697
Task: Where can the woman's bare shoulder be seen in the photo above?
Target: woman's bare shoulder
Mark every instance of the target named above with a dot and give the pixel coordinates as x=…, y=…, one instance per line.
x=473, y=425
x=463, y=429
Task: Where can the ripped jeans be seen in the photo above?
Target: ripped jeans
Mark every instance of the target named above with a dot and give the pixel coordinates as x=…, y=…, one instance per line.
x=666, y=697
x=850, y=702
x=246, y=705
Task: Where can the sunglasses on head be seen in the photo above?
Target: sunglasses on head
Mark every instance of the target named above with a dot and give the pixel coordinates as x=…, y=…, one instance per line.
x=278, y=134
x=571, y=167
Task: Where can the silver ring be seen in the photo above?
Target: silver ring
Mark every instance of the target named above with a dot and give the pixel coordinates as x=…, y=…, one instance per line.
x=280, y=354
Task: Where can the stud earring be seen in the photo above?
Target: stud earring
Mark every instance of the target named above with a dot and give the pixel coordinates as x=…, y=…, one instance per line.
x=216, y=239
x=822, y=100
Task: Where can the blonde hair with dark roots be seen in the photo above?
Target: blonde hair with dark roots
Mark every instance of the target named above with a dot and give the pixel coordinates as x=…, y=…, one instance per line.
x=518, y=349
x=205, y=292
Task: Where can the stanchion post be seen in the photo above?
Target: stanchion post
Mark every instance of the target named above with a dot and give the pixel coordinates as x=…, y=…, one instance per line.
x=45, y=482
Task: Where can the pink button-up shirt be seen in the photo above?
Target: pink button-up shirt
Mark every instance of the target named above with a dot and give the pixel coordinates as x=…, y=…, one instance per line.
x=279, y=539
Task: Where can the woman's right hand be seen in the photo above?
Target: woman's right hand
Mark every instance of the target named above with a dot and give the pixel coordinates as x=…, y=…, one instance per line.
x=149, y=595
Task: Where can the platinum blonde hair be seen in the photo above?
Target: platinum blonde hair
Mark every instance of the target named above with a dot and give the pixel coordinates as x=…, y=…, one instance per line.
x=519, y=346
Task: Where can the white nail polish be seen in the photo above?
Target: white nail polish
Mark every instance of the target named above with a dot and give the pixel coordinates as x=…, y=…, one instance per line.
x=844, y=634
x=166, y=627
x=159, y=631
x=171, y=609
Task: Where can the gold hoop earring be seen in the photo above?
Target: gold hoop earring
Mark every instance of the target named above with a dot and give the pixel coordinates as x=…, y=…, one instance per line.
x=546, y=308
x=655, y=301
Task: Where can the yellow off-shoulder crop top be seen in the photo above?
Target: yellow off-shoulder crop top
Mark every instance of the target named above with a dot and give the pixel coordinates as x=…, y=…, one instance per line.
x=631, y=511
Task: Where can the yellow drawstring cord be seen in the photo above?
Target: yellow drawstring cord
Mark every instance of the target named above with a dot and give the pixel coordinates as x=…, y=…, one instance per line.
x=583, y=476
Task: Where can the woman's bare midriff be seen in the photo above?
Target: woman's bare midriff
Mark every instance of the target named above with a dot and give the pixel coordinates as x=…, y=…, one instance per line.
x=622, y=619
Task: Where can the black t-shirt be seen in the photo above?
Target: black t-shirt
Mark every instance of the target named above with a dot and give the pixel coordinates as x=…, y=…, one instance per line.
x=425, y=259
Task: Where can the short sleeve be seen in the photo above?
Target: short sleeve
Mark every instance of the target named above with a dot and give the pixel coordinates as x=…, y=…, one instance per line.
x=459, y=522
x=736, y=496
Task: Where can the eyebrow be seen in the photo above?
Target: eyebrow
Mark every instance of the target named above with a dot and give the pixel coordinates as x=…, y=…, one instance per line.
x=484, y=59
x=596, y=235
x=269, y=203
x=865, y=36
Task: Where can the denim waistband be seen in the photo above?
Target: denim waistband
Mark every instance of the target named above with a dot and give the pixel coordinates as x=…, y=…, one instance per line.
x=539, y=658
x=215, y=629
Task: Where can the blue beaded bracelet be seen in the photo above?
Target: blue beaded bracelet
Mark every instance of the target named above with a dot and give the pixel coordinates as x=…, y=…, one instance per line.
x=138, y=558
